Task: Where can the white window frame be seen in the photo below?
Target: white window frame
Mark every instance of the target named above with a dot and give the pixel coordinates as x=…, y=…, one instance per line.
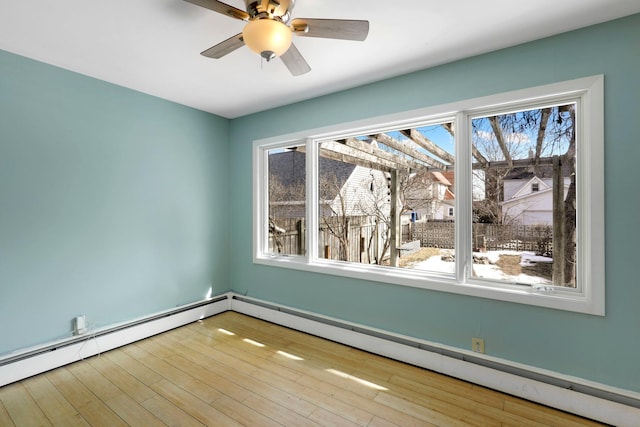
x=589, y=295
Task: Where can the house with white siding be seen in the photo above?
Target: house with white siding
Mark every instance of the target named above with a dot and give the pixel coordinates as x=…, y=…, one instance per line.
x=431, y=197
x=529, y=201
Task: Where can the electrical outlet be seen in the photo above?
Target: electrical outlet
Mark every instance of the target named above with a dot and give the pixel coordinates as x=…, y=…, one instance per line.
x=477, y=345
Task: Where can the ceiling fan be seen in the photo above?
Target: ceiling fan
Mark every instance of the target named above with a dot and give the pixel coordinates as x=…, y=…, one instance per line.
x=269, y=31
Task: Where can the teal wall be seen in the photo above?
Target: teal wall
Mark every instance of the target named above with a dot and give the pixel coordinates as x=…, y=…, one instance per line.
x=603, y=349
x=113, y=204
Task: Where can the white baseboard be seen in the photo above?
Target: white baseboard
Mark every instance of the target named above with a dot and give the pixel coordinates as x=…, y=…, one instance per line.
x=38, y=360
x=578, y=403
x=405, y=349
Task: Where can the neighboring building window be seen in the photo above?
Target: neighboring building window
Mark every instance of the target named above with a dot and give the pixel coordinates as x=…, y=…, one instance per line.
x=347, y=202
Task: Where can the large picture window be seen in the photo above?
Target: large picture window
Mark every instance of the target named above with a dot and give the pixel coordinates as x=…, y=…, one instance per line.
x=497, y=197
x=524, y=169
x=378, y=193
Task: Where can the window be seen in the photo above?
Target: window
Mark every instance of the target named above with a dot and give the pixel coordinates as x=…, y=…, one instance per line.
x=287, y=201
x=485, y=197
x=372, y=189
x=527, y=236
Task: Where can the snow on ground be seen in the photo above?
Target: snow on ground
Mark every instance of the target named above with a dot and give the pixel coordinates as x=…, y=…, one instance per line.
x=528, y=259
x=489, y=271
x=435, y=263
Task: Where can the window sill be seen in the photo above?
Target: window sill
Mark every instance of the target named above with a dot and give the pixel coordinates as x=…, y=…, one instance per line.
x=549, y=297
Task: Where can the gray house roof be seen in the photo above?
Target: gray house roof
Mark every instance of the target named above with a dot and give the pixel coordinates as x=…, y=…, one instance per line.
x=289, y=167
x=541, y=171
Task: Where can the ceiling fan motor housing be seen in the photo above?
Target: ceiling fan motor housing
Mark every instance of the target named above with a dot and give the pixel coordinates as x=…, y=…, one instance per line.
x=272, y=9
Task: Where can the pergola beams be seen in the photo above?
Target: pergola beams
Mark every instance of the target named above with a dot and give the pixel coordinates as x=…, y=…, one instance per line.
x=409, y=151
x=416, y=154
x=424, y=142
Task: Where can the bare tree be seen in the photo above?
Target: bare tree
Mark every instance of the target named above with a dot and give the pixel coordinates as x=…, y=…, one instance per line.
x=334, y=213
x=417, y=191
x=376, y=204
x=569, y=232
x=286, y=206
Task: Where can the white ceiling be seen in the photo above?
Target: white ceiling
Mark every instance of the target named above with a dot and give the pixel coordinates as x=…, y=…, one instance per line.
x=153, y=46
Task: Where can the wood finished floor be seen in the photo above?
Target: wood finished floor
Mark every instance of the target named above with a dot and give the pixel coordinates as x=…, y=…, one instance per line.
x=233, y=370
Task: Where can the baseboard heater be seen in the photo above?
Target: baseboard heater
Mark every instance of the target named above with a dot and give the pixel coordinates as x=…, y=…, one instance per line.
x=53, y=355
x=484, y=362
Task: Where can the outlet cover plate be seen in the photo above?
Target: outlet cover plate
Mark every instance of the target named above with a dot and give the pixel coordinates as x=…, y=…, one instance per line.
x=477, y=345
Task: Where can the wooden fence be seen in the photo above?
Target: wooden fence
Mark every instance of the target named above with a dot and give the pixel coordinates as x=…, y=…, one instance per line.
x=366, y=238
x=287, y=236
x=534, y=238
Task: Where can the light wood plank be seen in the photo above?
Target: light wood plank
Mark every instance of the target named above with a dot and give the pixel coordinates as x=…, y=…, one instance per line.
x=141, y=372
x=21, y=407
x=434, y=383
x=381, y=422
x=544, y=415
x=94, y=381
x=126, y=382
x=92, y=409
x=328, y=418
x=423, y=412
x=170, y=414
x=242, y=413
x=443, y=401
x=211, y=374
x=70, y=420
x=5, y=419
x=239, y=385
x=366, y=404
x=318, y=397
x=469, y=415
x=57, y=409
x=268, y=359
x=287, y=415
x=99, y=414
x=132, y=412
x=233, y=382
x=193, y=384
x=192, y=405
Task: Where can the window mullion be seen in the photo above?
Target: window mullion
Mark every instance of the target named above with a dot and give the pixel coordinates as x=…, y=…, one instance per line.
x=313, y=201
x=463, y=191
x=260, y=201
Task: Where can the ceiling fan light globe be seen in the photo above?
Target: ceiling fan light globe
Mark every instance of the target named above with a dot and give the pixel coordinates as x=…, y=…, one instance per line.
x=267, y=37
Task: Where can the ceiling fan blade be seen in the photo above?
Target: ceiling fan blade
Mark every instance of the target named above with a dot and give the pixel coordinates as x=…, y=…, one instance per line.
x=294, y=61
x=344, y=29
x=223, y=8
x=224, y=48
